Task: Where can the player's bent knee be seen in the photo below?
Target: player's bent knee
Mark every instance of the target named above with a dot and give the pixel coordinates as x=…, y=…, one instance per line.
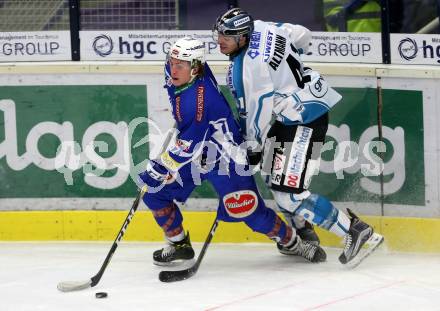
x=313, y=207
x=318, y=210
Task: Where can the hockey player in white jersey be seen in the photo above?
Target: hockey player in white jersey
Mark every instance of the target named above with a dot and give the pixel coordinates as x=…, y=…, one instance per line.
x=269, y=80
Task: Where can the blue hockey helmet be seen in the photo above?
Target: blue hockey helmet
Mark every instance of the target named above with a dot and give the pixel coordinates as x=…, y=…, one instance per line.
x=235, y=22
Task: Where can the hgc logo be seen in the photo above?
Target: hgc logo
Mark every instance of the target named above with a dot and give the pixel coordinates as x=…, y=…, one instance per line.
x=103, y=45
x=408, y=48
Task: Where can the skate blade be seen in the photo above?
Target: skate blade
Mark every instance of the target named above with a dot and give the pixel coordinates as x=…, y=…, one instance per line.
x=369, y=247
x=175, y=263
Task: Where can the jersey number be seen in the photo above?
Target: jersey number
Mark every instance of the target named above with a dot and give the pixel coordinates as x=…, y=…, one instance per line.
x=295, y=67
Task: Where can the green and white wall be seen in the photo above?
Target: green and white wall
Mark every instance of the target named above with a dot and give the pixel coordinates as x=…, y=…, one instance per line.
x=84, y=192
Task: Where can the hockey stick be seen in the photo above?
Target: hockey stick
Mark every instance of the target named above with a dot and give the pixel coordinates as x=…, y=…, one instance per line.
x=70, y=286
x=79, y=285
x=173, y=276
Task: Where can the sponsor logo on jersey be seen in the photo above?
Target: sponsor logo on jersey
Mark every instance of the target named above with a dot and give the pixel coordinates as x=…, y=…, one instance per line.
x=240, y=204
x=230, y=77
x=153, y=173
x=184, y=144
x=168, y=81
x=268, y=46
x=278, y=167
x=297, y=157
x=241, y=21
x=177, y=111
x=278, y=54
x=169, y=162
x=181, y=147
x=254, y=45
x=318, y=87
x=200, y=103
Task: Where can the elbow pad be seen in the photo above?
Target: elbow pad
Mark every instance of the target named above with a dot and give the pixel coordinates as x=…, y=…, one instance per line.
x=300, y=36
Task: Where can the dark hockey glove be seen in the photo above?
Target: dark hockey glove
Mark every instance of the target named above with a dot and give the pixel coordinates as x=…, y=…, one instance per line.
x=155, y=174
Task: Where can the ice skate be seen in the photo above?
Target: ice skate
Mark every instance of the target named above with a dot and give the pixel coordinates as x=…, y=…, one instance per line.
x=304, y=229
x=360, y=234
x=175, y=253
x=311, y=252
x=308, y=234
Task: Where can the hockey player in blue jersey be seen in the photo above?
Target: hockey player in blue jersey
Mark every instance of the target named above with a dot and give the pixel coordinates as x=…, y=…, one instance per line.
x=207, y=147
x=268, y=79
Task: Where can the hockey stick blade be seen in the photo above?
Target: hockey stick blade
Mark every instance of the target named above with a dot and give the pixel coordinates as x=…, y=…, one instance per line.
x=373, y=243
x=180, y=275
x=73, y=286
x=173, y=276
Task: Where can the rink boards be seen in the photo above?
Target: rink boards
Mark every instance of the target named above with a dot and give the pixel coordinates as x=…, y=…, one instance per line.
x=52, y=194
x=402, y=234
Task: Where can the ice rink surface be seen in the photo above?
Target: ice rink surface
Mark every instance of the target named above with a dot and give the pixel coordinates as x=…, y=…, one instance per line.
x=231, y=277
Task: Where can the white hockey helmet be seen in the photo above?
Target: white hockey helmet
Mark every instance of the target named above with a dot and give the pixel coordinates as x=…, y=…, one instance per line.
x=188, y=49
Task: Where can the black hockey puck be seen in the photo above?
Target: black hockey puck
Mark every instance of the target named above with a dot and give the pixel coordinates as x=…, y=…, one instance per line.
x=101, y=295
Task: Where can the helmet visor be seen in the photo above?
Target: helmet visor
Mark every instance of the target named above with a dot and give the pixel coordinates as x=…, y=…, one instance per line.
x=226, y=32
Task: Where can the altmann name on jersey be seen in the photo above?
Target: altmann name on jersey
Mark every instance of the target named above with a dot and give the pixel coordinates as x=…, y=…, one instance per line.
x=297, y=157
x=278, y=54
